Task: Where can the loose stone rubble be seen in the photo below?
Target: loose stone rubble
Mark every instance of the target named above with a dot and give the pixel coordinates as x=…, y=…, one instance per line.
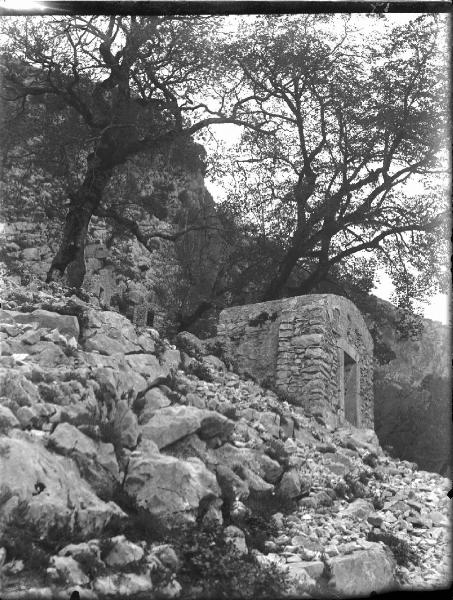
x=93, y=410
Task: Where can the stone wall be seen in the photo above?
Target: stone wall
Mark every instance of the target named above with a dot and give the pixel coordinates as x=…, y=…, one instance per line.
x=315, y=348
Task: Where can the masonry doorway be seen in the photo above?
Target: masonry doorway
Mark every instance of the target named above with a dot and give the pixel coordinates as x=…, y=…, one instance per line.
x=351, y=389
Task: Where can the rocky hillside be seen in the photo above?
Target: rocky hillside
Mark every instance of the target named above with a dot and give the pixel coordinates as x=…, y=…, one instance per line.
x=164, y=196
x=133, y=468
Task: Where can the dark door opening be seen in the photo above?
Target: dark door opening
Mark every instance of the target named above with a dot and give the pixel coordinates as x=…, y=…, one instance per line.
x=351, y=390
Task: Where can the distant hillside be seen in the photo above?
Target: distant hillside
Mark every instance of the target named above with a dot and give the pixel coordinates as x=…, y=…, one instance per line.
x=412, y=391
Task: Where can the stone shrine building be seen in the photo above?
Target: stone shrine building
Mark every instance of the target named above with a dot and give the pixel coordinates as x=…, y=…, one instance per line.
x=315, y=348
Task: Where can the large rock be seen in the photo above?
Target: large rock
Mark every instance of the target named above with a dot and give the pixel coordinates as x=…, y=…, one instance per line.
x=314, y=569
x=67, y=325
x=52, y=486
x=15, y=386
x=153, y=400
x=96, y=460
x=123, y=585
x=155, y=371
x=125, y=423
x=123, y=552
x=166, y=486
x=359, y=438
x=259, y=463
x=359, y=509
x=109, y=332
x=362, y=572
x=290, y=485
x=170, y=424
x=115, y=377
x=7, y=419
x=69, y=570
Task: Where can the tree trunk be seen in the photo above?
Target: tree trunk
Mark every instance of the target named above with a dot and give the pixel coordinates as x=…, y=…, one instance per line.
x=274, y=289
x=70, y=257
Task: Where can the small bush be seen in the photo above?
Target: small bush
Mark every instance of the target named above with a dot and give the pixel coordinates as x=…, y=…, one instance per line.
x=213, y=566
x=23, y=541
x=258, y=530
x=378, y=503
x=200, y=370
x=403, y=553
x=356, y=487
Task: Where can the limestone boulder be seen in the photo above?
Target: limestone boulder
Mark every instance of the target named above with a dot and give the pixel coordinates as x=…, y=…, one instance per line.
x=83, y=550
x=96, y=460
x=28, y=417
x=261, y=464
x=7, y=419
x=109, y=333
x=167, y=487
x=123, y=552
x=365, y=439
x=123, y=585
x=314, y=569
x=362, y=572
x=44, y=353
x=15, y=386
x=290, y=485
x=67, y=325
x=153, y=400
x=115, y=377
x=125, y=424
x=68, y=569
x=52, y=486
x=149, y=367
x=172, y=423
x=271, y=422
x=359, y=509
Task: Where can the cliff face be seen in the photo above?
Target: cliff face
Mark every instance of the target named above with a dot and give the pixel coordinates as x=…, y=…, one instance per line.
x=412, y=395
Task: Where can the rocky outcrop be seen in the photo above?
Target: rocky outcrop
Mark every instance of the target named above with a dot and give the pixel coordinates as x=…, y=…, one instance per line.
x=104, y=449
x=362, y=571
x=412, y=393
x=52, y=486
x=168, y=487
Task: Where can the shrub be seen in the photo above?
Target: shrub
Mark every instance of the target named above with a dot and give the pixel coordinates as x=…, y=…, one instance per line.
x=200, y=370
x=258, y=530
x=215, y=568
x=403, y=553
x=23, y=541
x=378, y=503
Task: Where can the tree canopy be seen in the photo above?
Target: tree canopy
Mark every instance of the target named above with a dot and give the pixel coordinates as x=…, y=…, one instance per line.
x=354, y=118
x=337, y=120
